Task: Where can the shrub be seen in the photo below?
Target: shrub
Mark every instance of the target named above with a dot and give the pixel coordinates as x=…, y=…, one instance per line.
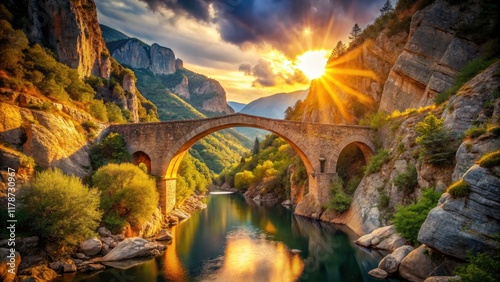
x=192, y=175
x=408, y=220
x=60, y=209
x=384, y=200
x=377, y=161
x=127, y=195
x=480, y=267
x=375, y=120
x=112, y=149
x=340, y=202
x=459, y=189
x=490, y=160
x=436, y=142
x=407, y=181
x=98, y=110
x=475, y=132
x=89, y=125
x=114, y=113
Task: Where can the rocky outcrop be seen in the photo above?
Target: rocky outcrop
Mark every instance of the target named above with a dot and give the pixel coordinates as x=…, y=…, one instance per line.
x=309, y=207
x=132, y=103
x=138, y=55
x=390, y=263
x=91, y=246
x=72, y=31
x=37, y=273
x=431, y=58
x=213, y=95
x=51, y=138
x=459, y=225
x=468, y=107
x=182, y=89
x=374, y=57
x=422, y=263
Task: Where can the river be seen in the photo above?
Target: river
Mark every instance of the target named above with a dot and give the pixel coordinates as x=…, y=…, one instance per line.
x=235, y=239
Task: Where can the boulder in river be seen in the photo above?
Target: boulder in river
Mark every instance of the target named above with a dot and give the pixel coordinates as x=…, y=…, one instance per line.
x=91, y=246
x=131, y=248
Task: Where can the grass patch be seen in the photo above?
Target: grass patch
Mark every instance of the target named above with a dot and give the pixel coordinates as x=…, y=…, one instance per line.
x=475, y=132
x=490, y=160
x=470, y=70
x=459, y=189
x=377, y=161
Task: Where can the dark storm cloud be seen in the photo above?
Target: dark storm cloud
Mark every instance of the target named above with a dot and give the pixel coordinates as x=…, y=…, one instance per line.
x=279, y=23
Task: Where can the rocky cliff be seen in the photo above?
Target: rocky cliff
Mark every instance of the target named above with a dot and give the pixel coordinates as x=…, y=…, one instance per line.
x=159, y=63
x=70, y=28
x=431, y=58
x=399, y=68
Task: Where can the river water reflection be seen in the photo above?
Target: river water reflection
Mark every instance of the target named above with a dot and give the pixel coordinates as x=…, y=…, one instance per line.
x=235, y=239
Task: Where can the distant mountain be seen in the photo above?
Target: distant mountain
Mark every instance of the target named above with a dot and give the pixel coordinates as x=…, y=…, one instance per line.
x=236, y=106
x=274, y=106
x=110, y=34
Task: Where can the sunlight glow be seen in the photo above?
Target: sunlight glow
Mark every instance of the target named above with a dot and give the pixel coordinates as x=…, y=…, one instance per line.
x=312, y=63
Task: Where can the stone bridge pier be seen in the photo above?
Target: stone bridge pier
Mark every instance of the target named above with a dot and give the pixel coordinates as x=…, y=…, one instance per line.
x=162, y=146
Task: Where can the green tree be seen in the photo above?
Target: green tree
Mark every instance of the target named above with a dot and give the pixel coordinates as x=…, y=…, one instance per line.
x=60, y=209
x=436, y=141
x=387, y=8
x=295, y=112
x=114, y=113
x=355, y=32
x=128, y=194
x=243, y=180
x=112, y=149
x=408, y=220
x=256, y=146
x=98, y=110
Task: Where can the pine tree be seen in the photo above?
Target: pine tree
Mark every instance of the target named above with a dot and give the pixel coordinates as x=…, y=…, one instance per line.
x=356, y=31
x=256, y=146
x=387, y=8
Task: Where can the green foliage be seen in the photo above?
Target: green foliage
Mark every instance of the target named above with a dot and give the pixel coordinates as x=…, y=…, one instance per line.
x=459, y=189
x=375, y=120
x=60, y=209
x=475, y=132
x=407, y=181
x=42, y=106
x=377, y=161
x=295, y=112
x=112, y=149
x=98, y=110
x=408, y=220
x=384, y=200
x=437, y=144
x=490, y=160
x=256, y=147
x=470, y=70
x=193, y=175
x=480, y=267
x=127, y=195
x=340, y=202
x=89, y=125
x=114, y=113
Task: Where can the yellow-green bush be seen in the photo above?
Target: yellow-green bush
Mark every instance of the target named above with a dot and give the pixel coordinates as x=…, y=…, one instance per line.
x=127, y=195
x=490, y=160
x=459, y=189
x=60, y=209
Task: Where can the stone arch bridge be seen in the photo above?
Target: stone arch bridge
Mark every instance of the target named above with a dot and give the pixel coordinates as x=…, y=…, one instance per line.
x=162, y=145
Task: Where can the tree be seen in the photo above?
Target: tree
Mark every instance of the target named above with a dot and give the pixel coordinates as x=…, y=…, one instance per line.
x=256, y=146
x=356, y=31
x=60, y=209
x=387, y=8
x=112, y=149
x=435, y=140
x=338, y=51
x=128, y=194
x=243, y=180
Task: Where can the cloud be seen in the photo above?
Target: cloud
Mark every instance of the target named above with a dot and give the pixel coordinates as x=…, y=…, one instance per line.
x=266, y=76
x=278, y=23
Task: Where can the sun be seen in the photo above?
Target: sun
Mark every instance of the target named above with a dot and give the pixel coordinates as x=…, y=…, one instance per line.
x=312, y=63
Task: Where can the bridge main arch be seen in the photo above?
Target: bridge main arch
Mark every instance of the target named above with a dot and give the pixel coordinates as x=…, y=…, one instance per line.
x=166, y=143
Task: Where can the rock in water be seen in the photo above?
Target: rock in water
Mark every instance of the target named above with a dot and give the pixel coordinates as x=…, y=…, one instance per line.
x=384, y=238
x=164, y=235
x=131, y=248
x=378, y=273
x=391, y=262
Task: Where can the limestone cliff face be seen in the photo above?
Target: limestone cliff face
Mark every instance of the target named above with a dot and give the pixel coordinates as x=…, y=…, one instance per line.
x=132, y=103
x=138, y=55
x=213, y=94
x=431, y=58
x=72, y=31
x=50, y=138
x=369, y=65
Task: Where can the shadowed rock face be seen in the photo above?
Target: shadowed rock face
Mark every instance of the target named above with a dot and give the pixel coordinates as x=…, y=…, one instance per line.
x=72, y=31
x=430, y=60
x=459, y=225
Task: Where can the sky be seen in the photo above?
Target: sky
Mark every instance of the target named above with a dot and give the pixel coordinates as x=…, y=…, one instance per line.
x=254, y=48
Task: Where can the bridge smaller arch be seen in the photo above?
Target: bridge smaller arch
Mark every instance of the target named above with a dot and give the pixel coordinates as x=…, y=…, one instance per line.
x=166, y=143
x=141, y=157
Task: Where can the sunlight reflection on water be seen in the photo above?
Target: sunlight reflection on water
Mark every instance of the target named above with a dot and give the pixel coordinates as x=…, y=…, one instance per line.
x=221, y=192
